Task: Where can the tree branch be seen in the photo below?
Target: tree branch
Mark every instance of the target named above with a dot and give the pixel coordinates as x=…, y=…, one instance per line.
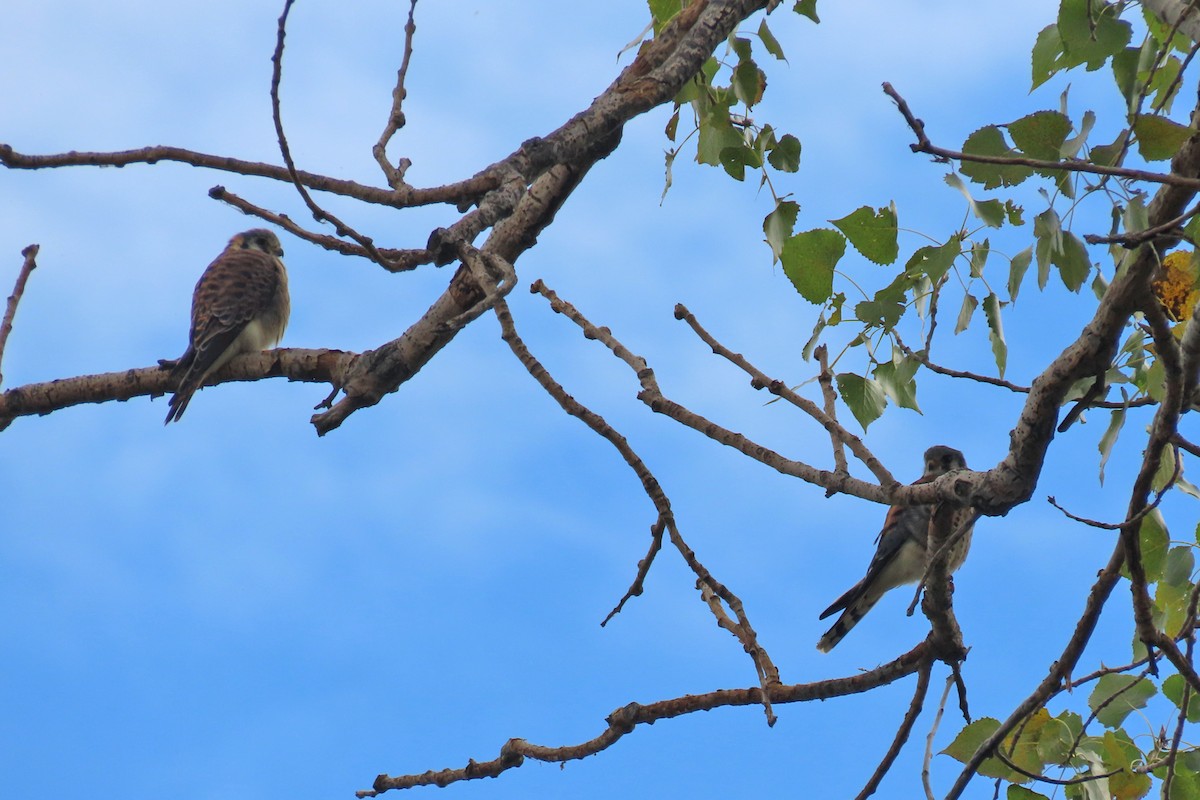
x=10, y=310
x=395, y=175
x=625, y=719
x=309, y=366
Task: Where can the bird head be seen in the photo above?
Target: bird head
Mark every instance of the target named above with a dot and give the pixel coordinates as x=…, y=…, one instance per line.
x=941, y=459
x=257, y=239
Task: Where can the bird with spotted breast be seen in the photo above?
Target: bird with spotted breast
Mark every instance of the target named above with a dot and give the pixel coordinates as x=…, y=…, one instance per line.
x=240, y=305
x=901, y=551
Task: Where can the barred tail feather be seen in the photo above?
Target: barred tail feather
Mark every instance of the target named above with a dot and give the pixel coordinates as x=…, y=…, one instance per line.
x=854, y=612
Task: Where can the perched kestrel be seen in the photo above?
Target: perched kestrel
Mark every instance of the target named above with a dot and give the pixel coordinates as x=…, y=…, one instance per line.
x=900, y=556
x=240, y=306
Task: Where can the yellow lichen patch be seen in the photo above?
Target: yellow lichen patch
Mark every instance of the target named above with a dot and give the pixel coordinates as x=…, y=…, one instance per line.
x=1176, y=288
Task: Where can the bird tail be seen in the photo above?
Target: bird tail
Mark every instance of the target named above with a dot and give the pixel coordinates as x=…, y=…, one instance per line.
x=856, y=609
x=178, y=403
x=186, y=384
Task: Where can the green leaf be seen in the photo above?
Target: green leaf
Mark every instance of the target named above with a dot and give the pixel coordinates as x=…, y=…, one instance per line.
x=888, y=305
x=661, y=11
x=769, y=41
x=1167, y=465
x=1090, y=39
x=785, y=155
x=1159, y=138
x=1072, y=261
x=1180, y=563
x=1136, y=216
x=1171, y=604
x=1119, y=695
x=1047, y=230
x=1016, y=792
x=989, y=141
x=1071, y=147
x=991, y=311
x=965, y=313
x=748, y=82
x=979, y=256
x=969, y=740
x=778, y=226
x=934, y=260
x=990, y=211
x=873, y=233
x=808, y=261
x=1164, y=85
x=716, y=135
x=1115, y=422
x=741, y=46
x=1173, y=688
x=807, y=8
x=1121, y=753
x=1107, y=155
x=1154, y=540
x=1125, y=73
x=1057, y=743
x=1047, y=55
x=1014, y=212
x=1041, y=134
x=864, y=397
x=733, y=160
x=1016, y=271
x=896, y=379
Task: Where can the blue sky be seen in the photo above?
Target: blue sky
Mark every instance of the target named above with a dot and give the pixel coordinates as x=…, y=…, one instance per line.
x=232, y=606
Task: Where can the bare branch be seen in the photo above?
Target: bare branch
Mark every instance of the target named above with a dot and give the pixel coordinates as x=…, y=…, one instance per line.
x=626, y=718
x=319, y=214
x=310, y=366
x=395, y=175
x=937, y=721
x=453, y=193
x=10, y=311
x=902, y=733
x=943, y=488
x=396, y=260
x=825, y=379
x=759, y=380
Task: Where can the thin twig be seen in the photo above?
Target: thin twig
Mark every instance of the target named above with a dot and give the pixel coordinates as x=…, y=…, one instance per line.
x=1173, y=752
x=1008, y=762
x=625, y=719
x=760, y=380
x=825, y=379
x=937, y=720
x=1116, y=526
x=902, y=733
x=712, y=591
x=395, y=175
x=1141, y=237
x=10, y=311
x=597, y=423
x=959, y=531
x=466, y=191
x=923, y=145
x=319, y=214
x=396, y=260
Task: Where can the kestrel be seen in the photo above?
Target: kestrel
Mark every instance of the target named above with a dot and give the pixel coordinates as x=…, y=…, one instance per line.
x=240, y=305
x=900, y=556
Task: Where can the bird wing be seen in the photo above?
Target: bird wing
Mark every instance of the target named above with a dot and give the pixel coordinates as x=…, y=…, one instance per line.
x=234, y=289
x=903, y=524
